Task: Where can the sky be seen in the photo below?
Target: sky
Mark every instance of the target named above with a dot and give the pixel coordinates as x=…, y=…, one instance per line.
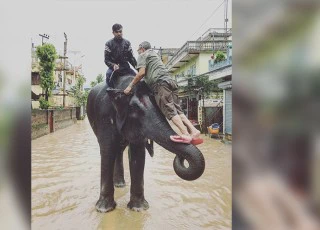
x=164, y=23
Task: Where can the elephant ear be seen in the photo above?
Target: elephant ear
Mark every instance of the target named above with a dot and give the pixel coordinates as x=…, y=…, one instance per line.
x=142, y=89
x=120, y=102
x=129, y=106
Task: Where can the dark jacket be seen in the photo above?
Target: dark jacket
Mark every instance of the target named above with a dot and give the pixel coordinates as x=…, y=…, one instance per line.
x=119, y=51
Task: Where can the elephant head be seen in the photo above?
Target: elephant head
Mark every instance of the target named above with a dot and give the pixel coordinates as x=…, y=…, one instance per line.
x=139, y=118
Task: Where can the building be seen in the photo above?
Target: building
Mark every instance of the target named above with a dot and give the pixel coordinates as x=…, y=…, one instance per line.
x=222, y=71
x=72, y=73
x=227, y=108
x=195, y=58
x=167, y=53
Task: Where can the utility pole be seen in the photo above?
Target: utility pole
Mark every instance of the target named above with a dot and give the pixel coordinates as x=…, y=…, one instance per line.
x=160, y=51
x=226, y=18
x=44, y=36
x=64, y=70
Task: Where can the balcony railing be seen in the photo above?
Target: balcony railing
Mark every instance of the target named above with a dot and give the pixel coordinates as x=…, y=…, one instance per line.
x=218, y=32
x=197, y=47
x=214, y=66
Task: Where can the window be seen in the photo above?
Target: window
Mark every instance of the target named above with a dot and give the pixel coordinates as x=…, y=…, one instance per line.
x=193, y=70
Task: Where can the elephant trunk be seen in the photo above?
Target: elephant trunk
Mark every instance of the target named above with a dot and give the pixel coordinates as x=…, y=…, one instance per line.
x=160, y=132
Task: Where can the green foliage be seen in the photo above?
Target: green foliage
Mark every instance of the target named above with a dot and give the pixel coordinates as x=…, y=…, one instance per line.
x=59, y=107
x=99, y=79
x=203, y=82
x=219, y=56
x=44, y=104
x=77, y=92
x=47, y=55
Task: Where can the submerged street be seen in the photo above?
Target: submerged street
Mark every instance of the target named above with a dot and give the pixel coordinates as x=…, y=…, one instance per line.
x=66, y=183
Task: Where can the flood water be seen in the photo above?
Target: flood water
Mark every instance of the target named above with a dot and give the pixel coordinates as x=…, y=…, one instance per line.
x=66, y=183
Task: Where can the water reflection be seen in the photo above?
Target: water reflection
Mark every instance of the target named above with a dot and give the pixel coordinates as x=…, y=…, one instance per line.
x=66, y=178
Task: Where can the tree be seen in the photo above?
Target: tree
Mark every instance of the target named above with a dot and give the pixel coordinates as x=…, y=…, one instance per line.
x=202, y=82
x=77, y=92
x=47, y=55
x=219, y=56
x=99, y=79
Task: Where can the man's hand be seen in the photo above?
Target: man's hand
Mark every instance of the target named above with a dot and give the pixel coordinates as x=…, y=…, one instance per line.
x=127, y=90
x=135, y=80
x=115, y=67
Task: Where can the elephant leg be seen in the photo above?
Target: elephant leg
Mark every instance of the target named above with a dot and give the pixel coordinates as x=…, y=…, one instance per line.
x=137, y=156
x=108, y=148
x=118, y=176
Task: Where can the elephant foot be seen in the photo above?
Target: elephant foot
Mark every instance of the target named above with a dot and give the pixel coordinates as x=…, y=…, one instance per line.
x=138, y=204
x=119, y=183
x=105, y=205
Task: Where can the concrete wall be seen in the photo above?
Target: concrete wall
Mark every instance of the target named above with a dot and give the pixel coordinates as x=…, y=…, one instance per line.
x=186, y=66
x=36, y=89
x=201, y=61
x=47, y=121
x=55, y=100
x=64, y=118
x=220, y=73
x=39, y=123
x=228, y=112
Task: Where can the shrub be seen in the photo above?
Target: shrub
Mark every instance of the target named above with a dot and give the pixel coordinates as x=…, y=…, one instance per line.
x=44, y=104
x=219, y=56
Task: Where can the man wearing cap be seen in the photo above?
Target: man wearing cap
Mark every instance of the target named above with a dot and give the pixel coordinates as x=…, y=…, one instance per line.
x=118, y=53
x=165, y=90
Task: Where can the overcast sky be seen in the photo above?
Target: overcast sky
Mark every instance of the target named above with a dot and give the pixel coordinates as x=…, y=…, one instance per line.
x=164, y=23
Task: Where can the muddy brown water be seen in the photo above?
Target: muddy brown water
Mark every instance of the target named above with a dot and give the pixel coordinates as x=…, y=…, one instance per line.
x=66, y=179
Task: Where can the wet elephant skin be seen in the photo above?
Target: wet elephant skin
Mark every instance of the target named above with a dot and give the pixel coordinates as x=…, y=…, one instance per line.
x=119, y=120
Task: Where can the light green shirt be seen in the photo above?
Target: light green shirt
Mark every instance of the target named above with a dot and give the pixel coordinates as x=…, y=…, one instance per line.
x=155, y=69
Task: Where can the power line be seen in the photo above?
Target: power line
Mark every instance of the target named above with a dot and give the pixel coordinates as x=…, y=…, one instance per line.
x=207, y=19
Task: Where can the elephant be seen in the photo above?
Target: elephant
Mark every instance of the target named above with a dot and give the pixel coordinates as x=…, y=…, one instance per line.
x=119, y=120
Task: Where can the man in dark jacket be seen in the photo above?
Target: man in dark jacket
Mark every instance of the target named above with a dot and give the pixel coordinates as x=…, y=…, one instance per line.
x=117, y=54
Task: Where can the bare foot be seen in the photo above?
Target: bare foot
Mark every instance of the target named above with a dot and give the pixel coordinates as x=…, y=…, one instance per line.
x=181, y=139
x=195, y=134
x=186, y=137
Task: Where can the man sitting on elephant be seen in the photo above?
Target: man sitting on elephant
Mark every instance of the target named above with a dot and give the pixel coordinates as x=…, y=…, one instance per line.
x=165, y=90
x=117, y=54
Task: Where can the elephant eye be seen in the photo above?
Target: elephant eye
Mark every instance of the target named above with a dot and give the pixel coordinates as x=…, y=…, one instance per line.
x=143, y=101
x=118, y=96
x=135, y=111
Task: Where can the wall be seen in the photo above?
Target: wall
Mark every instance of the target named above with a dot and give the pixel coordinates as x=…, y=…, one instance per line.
x=35, y=104
x=36, y=89
x=228, y=111
x=56, y=100
x=64, y=118
x=186, y=66
x=47, y=121
x=39, y=123
x=203, y=62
